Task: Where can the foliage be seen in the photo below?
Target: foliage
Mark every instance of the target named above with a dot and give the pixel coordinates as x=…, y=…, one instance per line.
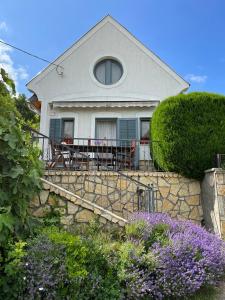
x=12, y=283
x=190, y=130
x=30, y=118
x=20, y=170
x=191, y=259
x=6, y=84
x=156, y=258
x=44, y=269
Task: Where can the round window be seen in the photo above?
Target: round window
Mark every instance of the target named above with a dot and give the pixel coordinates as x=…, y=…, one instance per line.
x=108, y=71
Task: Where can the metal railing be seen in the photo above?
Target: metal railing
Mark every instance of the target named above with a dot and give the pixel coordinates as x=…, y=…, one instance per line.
x=101, y=174
x=101, y=154
x=220, y=161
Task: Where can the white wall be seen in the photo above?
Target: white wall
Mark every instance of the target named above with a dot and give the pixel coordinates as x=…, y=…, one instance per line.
x=143, y=79
x=84, y=125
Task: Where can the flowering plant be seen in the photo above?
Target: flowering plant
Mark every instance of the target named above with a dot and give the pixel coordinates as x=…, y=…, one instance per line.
x=188, y=258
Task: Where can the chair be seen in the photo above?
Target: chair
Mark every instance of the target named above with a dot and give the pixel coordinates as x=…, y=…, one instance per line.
x=126, y=157
x=60, y=158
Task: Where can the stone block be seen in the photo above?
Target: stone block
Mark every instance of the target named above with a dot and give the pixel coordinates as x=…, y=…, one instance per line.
x=65, y=179
x=122, y=184
x=43, y=196
x=102, y=220
x=114, y=196
x=84, y=216
x=102, y=201
x=222, y=228
x=41, y=211
x=167, y=205
x=220, y=178
x=174, y=189
x=35, y=202
x=184, y=207
x=61, y=210
x=164, y=191
x=172, y=198
x=221, y=190
x=52, y=200
x=184, y=190
x=72, y=179
x=103, y=189
x=193, y=200
x=67, y=220
x=194, y=214
x=97, y=211
x=89, y=186
x=194, y=188
x=163, y=182
x=71, y=208
x=117, y=206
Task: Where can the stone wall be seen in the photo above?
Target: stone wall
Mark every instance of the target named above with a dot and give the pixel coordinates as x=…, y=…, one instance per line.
x=177, y=195
x=213, y=199
x=72, y=208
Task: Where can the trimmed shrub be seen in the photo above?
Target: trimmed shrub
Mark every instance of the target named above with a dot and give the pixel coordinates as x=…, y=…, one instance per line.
x=190, y=130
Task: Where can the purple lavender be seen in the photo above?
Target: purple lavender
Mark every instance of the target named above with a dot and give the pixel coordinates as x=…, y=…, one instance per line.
x=190, y=258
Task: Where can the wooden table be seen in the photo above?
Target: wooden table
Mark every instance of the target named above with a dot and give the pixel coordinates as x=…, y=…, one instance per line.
x=125, y=151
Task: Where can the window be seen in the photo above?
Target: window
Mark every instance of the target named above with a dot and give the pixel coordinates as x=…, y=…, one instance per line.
x=108, y=71
x=68, y=130
x=145, y=130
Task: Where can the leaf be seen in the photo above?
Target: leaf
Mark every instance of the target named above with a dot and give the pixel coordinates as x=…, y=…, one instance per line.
x=16, y=171
x=7, y=220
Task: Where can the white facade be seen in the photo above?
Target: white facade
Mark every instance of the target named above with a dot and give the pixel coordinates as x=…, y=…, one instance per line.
x=72, y=91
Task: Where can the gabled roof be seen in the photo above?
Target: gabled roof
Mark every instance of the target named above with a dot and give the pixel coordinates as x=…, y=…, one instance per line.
x=123, y=30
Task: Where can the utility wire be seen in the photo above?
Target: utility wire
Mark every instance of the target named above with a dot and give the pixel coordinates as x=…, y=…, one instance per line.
x=28, y=53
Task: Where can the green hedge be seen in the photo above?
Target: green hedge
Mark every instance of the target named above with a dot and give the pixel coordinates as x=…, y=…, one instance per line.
x=190, y=130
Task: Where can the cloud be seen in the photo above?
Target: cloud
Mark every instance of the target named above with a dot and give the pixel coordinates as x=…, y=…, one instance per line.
x=3, y=26
x=16, y=73
x=196, y=78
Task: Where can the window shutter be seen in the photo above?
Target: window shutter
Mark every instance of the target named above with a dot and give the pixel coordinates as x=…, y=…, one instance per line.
x=127, y=129
x=55, y=130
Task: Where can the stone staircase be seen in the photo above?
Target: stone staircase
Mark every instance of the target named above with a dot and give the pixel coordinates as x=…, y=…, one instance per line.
x=72, y=208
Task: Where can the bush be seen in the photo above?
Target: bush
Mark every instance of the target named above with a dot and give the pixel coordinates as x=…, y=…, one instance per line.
x=191, y=258
x=60, y=265
x=190, y=130
x=157, y=258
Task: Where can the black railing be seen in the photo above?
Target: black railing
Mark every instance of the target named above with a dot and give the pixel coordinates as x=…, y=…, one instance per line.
x=115, y=157
x=92, y=154
x=220, y=161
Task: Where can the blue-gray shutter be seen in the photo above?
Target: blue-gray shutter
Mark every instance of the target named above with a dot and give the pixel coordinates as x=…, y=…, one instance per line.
x=55, y=130
x=127, y=129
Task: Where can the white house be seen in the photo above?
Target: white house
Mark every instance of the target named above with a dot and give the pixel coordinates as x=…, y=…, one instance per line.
x=106, y=85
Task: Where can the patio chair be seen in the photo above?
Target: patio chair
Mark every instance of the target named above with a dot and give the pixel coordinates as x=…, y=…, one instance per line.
x=125, y=156
x=60, y=158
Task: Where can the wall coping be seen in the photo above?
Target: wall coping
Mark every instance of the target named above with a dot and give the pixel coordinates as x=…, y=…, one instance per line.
x=98, y=210
x=111, y=173
x=215, y=170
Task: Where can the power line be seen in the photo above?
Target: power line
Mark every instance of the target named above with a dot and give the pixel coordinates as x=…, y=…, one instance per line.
x=28, y=53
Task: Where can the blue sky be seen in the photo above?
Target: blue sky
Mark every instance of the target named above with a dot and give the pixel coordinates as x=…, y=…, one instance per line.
x=189, y=35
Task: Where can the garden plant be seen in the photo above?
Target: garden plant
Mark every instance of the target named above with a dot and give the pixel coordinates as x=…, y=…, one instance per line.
x=187, y=131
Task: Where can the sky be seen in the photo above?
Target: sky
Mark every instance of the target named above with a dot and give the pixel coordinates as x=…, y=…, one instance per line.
x=189, y=35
